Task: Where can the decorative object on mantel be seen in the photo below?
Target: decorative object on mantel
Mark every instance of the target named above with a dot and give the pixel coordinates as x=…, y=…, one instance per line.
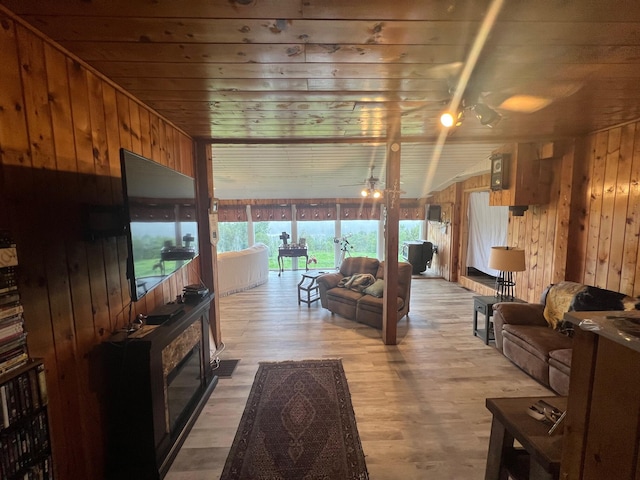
x=298, y=423
x=507, y=260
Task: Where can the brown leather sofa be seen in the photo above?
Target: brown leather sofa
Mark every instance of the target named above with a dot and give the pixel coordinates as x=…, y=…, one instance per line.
x=361, y=306
x=533, y=335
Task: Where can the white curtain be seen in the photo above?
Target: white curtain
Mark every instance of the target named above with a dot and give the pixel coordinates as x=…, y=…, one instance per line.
x=487, y=228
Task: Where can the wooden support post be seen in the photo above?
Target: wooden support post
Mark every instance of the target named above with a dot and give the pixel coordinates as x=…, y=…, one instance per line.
x=392, y=207
x=208, y=252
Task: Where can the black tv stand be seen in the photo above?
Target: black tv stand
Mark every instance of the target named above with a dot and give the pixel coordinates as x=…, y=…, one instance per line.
x=158, y=384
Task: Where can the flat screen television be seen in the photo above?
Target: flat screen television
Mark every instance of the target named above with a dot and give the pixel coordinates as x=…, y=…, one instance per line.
x=160, y=218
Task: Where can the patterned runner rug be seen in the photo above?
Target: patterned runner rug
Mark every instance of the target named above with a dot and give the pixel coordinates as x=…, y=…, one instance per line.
x=298, y=424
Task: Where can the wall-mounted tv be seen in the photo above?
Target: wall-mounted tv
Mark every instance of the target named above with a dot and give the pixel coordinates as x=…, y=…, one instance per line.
x=160, y=215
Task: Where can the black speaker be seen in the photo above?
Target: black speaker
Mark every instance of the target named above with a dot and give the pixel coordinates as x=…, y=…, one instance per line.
x=499, y=171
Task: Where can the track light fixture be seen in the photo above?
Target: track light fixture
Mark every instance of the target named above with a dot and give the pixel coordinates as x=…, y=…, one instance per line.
x=486, y=115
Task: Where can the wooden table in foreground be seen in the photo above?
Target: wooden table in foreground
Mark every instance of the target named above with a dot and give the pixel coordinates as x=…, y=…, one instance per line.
x=540, y=455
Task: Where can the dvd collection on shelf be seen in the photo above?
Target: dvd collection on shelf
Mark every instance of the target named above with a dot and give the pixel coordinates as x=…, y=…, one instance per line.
x=25, y=450
x=13, y=339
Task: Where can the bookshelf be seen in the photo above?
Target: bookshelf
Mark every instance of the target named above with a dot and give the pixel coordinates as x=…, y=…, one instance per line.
x=25, y=445
x=13, y=339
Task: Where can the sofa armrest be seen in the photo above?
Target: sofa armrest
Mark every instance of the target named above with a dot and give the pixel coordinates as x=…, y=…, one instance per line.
x=514, y=313
x=327, y=282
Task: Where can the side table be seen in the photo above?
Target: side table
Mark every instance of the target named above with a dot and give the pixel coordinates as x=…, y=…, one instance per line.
x=292, y=252
x=484, y=305
x=540, y=455
x=308, y=288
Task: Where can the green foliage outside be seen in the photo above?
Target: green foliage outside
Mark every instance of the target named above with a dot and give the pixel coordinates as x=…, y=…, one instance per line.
x=232, y=236
x=362, y=238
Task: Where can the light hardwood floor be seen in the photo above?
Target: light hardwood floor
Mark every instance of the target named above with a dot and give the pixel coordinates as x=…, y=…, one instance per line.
x=420, y=405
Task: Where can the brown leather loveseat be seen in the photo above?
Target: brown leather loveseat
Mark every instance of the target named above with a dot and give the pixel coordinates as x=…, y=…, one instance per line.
x=532, y=336
x=341, y=293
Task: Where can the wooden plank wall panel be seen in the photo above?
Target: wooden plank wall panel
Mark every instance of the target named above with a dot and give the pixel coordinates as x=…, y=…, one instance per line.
x=46, y=320
x=540, y=232
x=440, y=233
x=613, y=224
x=620, y=206
x=605, y=227
x=61, y=128
x=579, y=217
x=595, y=206
x=630, y=276
x=560, y=226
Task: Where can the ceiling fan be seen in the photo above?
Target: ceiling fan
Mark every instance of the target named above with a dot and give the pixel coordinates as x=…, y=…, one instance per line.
x=369, y=186
x=469, y=93
x=529, y=97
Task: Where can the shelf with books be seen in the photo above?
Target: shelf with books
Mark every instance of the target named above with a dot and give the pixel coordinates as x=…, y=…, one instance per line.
x=25, y=449
x=13, y=338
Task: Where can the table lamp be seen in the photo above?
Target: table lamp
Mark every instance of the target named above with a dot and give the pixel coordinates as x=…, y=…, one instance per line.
x=507, y=260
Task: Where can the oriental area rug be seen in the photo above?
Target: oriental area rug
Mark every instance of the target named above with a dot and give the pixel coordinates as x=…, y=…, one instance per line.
x=298, y=424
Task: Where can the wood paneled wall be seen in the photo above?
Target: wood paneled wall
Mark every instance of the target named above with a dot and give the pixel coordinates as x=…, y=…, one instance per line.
x=442, y=234
x=605, y=228
x=588, y=232
x=61, y=128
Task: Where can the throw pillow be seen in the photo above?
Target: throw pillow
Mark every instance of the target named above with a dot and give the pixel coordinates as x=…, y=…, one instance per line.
x=375, y=290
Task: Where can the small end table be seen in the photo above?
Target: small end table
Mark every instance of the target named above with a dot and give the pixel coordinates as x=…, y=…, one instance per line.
x=308, y=288
x=484, y=305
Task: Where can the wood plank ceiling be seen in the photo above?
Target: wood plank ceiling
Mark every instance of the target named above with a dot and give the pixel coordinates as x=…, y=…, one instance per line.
x=295, y=94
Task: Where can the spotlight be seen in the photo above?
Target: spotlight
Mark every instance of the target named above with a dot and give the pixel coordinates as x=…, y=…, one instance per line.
x=486, y=115
x=448, y=119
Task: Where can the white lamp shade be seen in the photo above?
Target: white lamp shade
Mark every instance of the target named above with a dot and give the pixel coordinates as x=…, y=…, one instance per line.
x=507, y=259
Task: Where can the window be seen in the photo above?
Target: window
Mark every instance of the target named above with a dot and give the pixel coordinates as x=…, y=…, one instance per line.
x=362, y=236
x=269, y=234
x=232, y=236
x=319, y=235
x=409, y=231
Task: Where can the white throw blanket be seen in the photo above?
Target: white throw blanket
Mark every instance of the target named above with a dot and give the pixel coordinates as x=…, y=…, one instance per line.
x=357, y=281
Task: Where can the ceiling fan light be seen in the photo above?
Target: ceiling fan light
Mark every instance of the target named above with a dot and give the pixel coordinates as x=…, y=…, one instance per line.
x=377, y=194
x=364, y=192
